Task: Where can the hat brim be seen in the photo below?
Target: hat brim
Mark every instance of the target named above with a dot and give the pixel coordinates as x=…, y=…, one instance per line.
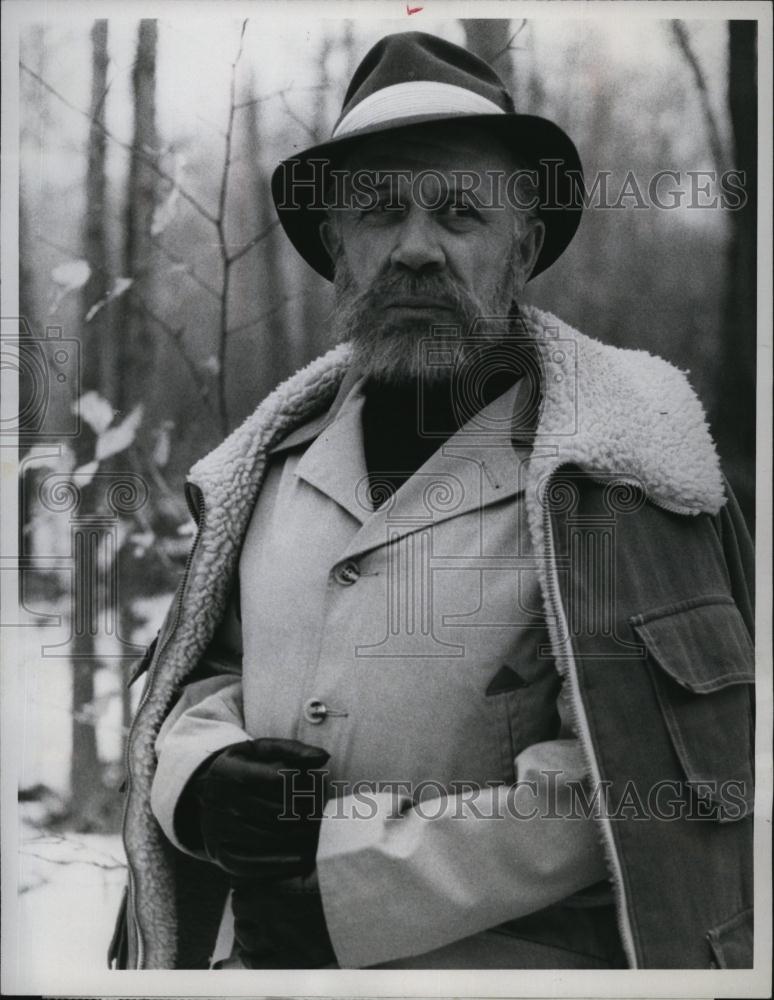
x=538, y=141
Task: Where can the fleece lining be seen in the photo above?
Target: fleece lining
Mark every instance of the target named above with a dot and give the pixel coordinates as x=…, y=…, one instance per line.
x=615, y=413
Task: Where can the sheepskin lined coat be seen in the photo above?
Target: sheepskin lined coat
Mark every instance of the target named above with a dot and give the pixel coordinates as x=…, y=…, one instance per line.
x=622, y=473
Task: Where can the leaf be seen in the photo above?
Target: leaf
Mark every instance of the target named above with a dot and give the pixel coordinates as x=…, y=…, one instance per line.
x=85, y=473
x=68, y=277
x=116, y=439
x=141, y=542
x=74, y=274
x=61, y=461
x=211, y=365
x=120, y=285
x=163, y=446
x=164, y=213
x=95, y=410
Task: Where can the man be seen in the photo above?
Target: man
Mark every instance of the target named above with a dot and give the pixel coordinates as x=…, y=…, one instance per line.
x=459, y=673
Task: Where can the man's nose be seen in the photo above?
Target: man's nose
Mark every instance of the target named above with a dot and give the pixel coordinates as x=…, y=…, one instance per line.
x=418, y=247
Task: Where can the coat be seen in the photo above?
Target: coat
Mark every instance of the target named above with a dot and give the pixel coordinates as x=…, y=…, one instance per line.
x=408, y=642
x=643, y=569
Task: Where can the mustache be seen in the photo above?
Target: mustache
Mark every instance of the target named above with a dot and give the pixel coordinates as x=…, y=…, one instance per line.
x=391, y=285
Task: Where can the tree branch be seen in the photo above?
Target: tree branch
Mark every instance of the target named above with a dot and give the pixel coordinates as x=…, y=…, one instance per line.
x=145, y=157
x=299, y=121
x=684, y=43
x=186, y=267
x=220, y=224
x=276, y=93
x=261, y=317
x=509, y=44
x=247, y=247
x=176, y=335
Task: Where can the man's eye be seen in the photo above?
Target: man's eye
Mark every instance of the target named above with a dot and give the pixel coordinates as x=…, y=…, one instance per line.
x=461, y=210
x=380, y=206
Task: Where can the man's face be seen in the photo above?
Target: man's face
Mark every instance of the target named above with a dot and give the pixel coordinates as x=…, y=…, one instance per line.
x=423, y=252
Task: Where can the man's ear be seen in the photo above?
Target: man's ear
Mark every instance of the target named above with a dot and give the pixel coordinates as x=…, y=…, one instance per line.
x=330, y=237
x=530, y=245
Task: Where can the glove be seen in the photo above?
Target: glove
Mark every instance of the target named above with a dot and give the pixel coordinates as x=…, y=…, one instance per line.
x=280, y=926
x=248, y=817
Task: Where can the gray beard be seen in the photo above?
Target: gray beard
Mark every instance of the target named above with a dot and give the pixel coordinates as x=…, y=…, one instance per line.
x=395, y=350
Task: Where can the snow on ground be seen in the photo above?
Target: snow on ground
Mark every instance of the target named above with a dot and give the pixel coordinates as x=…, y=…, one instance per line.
x=45, y=689
x=70, y=884
x=70, y=887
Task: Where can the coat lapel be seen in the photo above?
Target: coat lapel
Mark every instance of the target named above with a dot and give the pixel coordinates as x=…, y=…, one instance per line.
x=334, y=462
x=475, y=468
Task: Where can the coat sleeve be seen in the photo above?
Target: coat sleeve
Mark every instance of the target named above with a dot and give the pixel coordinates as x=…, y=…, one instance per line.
x=399, y=879
x=207, y=717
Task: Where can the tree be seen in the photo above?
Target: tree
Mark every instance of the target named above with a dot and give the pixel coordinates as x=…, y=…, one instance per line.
x=85, y=771
x=313, y=303
x=135, y=339
x=735, y=411
x=487, y=37
x=136, y=347
x=273, y=333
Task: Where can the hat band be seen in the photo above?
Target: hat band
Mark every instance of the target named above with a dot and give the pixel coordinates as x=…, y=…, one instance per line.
x=415, y=97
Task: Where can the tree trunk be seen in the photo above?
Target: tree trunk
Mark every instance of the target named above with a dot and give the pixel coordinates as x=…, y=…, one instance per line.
x=488, y=38
x=85, y=772
x=136, y=345
x=734, y=417
x=313, y=301
x=276, y=350
x=136, y=339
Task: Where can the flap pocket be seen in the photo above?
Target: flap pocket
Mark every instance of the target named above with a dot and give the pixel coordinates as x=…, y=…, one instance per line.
x=703, y=667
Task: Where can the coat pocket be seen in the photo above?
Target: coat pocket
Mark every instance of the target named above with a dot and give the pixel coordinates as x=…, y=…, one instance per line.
x=702, y=663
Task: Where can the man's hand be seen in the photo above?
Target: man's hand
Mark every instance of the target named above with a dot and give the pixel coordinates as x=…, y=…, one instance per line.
x=280, y=926
x=250, y=818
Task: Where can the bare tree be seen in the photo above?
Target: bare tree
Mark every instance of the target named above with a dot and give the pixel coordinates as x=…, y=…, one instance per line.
x=313, y=303
x=683, y=40
x=85, y=771
x=735, y=416
x=271, y=283
x=488, y=38
x=135, y=338
x=138, y=311
x=733, y=410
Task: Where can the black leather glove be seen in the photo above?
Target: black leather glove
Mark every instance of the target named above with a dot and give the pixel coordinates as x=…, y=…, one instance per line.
x=280, y=926
x=248, y=817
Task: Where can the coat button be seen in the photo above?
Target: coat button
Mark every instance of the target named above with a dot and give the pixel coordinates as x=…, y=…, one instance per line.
x=315, y=711
x=347, y=573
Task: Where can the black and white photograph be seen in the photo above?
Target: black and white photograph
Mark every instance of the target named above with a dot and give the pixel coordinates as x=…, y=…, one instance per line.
x=386, y=498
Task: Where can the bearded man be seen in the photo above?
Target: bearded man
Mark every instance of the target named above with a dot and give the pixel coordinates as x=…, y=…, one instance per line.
x=459, y=674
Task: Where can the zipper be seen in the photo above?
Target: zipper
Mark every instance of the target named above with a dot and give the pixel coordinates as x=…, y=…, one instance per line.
x=195, y=501
x=557, y=626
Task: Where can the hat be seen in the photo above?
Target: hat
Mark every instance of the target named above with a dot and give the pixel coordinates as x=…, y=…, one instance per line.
x=413, y=78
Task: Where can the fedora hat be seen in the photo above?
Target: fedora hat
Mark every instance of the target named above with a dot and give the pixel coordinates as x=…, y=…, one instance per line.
x=412, y=79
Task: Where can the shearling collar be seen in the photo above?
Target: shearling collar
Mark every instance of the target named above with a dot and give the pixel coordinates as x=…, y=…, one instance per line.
x=615, y=413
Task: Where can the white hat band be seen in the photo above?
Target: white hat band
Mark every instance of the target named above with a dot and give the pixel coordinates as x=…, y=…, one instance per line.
x=416, y=97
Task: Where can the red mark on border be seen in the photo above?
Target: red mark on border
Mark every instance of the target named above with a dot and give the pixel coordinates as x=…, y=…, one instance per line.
x=413, y=10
